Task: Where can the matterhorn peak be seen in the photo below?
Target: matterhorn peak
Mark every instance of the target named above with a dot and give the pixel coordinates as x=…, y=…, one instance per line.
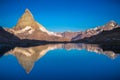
x=27, y=24
x=26, y=19
x=27, y=12
x=27, y=16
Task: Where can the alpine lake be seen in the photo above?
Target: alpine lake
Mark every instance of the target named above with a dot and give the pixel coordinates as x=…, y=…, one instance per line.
x=60, y=62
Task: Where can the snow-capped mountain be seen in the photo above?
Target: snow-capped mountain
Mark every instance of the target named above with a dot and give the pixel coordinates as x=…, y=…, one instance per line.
x=27, y=23
x=28, y=28
x=97, y=30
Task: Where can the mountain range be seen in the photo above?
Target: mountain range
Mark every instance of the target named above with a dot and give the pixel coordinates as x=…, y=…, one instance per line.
x=27, y=29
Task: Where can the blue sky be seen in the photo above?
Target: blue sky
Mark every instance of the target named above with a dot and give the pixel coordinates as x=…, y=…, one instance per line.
x=62, y=15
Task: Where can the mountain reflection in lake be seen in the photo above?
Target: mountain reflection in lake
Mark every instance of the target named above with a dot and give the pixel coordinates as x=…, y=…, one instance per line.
x=27, y=57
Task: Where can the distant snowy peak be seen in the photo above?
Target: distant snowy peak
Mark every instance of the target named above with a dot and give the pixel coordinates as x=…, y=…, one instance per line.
x=27, y=24
x=109, y=26
x=94, y=31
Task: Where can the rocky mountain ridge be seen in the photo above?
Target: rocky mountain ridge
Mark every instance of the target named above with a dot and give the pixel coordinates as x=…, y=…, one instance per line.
x=95, y=31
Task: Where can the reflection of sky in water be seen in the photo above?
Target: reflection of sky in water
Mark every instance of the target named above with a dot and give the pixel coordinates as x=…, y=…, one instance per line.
x=61, y=64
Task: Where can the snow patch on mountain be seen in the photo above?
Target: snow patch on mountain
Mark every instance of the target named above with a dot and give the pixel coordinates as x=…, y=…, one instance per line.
x=48, y=32
x=27, y=28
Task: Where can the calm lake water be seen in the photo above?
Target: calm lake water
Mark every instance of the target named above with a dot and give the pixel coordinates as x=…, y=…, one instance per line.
x=59, y=62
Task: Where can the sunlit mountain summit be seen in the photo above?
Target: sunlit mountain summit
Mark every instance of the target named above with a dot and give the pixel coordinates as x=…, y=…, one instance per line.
x=28, y=28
